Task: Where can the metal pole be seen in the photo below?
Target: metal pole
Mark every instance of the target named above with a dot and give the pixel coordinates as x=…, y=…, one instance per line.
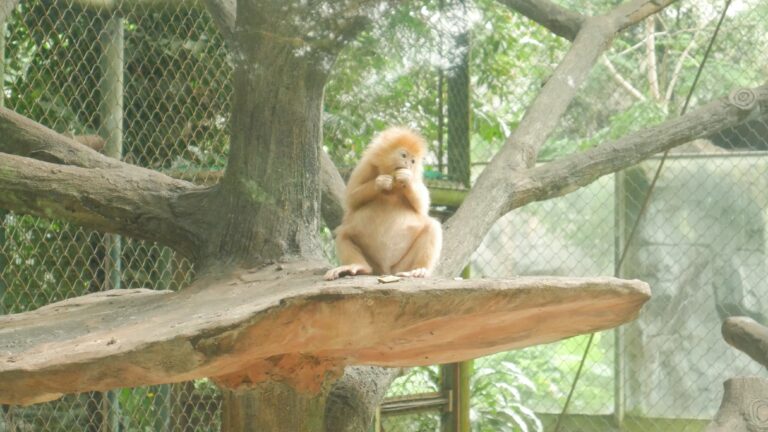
x=111, y=129
x=162, y=398
x=2, y=63
x=619, y=358
x=465, y=378
x=3, y=260
x=3, y=26
x=459, y=114
x=449, y=387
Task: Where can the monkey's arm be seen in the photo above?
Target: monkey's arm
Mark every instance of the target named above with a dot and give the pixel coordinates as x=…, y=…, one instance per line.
x=362, y=186
x=361, y=195
x=417, y=195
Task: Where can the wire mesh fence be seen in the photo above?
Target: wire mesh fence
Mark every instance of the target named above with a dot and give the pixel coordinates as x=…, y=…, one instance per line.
x=462, y=73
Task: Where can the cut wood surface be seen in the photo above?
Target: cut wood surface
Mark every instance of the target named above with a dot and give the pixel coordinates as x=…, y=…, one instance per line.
x=284, y=323
x=744, y=407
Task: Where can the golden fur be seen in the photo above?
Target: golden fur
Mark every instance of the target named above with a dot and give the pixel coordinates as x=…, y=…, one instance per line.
x=386, y=226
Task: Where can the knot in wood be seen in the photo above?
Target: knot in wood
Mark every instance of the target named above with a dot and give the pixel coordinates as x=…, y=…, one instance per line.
x=757, y=413
x=743, y=98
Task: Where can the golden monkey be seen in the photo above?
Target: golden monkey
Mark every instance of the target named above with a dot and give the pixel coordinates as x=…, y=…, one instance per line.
x=386, y=227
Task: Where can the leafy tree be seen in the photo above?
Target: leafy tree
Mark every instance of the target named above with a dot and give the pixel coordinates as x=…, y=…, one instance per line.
x=265, y=214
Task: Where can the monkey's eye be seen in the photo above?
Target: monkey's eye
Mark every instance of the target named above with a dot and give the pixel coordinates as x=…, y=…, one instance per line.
x=403, y=155
x=413, y=161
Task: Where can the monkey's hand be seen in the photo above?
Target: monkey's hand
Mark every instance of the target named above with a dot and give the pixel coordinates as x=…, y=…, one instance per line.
x=403, y=177
x=384, y=182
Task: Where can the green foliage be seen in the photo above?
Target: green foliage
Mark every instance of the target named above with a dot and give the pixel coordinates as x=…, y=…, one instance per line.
x=44, y=263
x=47, y=70
x=416, y=380
x=389, y=75
x=176, y=80
x=497, y=400
x=177, y=91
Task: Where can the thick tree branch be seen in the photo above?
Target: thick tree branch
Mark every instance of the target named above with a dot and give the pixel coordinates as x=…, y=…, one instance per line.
x=50, y=175
x=632, y=12
x=465, y=229
x=515, y=189
x=559, y=20
x=748, y=336
x=110, y=200
x=563, y=176
x=21, y=136
x=543, y=115
x=24, y=137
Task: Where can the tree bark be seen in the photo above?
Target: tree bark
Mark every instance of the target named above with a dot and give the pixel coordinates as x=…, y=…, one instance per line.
x=486, y=202
x=273, y=175
x=557, y=19
x=514, y=189
x=749, y=337
x=24, y=137
x=355, y=396
x=110, y=200
x=272, y=406
x=744, y=407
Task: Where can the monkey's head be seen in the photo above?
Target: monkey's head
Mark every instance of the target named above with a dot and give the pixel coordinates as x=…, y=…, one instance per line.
x=397, y=148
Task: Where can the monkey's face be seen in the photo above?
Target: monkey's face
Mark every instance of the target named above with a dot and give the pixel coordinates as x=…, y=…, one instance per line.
x=401, y=158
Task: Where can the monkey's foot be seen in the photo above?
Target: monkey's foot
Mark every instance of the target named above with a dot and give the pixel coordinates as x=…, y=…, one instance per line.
x=347, y=270
x=416, y=273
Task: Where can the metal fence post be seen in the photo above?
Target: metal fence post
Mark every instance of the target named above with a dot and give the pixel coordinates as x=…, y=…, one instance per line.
x=619, y=226
x=3, y=258
x=459, y=113
x=111, y=129
x=2, y=63
x=162, y=399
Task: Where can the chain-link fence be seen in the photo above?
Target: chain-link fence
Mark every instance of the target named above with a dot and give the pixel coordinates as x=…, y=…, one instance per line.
x=461, y=73
x=66, y=65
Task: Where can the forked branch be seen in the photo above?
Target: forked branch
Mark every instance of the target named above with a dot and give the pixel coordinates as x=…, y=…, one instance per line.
x=485, y=203
x=748, y=336
x=517, y=188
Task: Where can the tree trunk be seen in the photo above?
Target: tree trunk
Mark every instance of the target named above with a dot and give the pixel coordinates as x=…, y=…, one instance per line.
x=272, y=406
x=273, y=175
x=273, y=171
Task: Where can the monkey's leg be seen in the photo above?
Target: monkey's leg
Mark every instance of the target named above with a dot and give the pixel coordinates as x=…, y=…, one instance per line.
x=424, y=252
x=352, y=259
